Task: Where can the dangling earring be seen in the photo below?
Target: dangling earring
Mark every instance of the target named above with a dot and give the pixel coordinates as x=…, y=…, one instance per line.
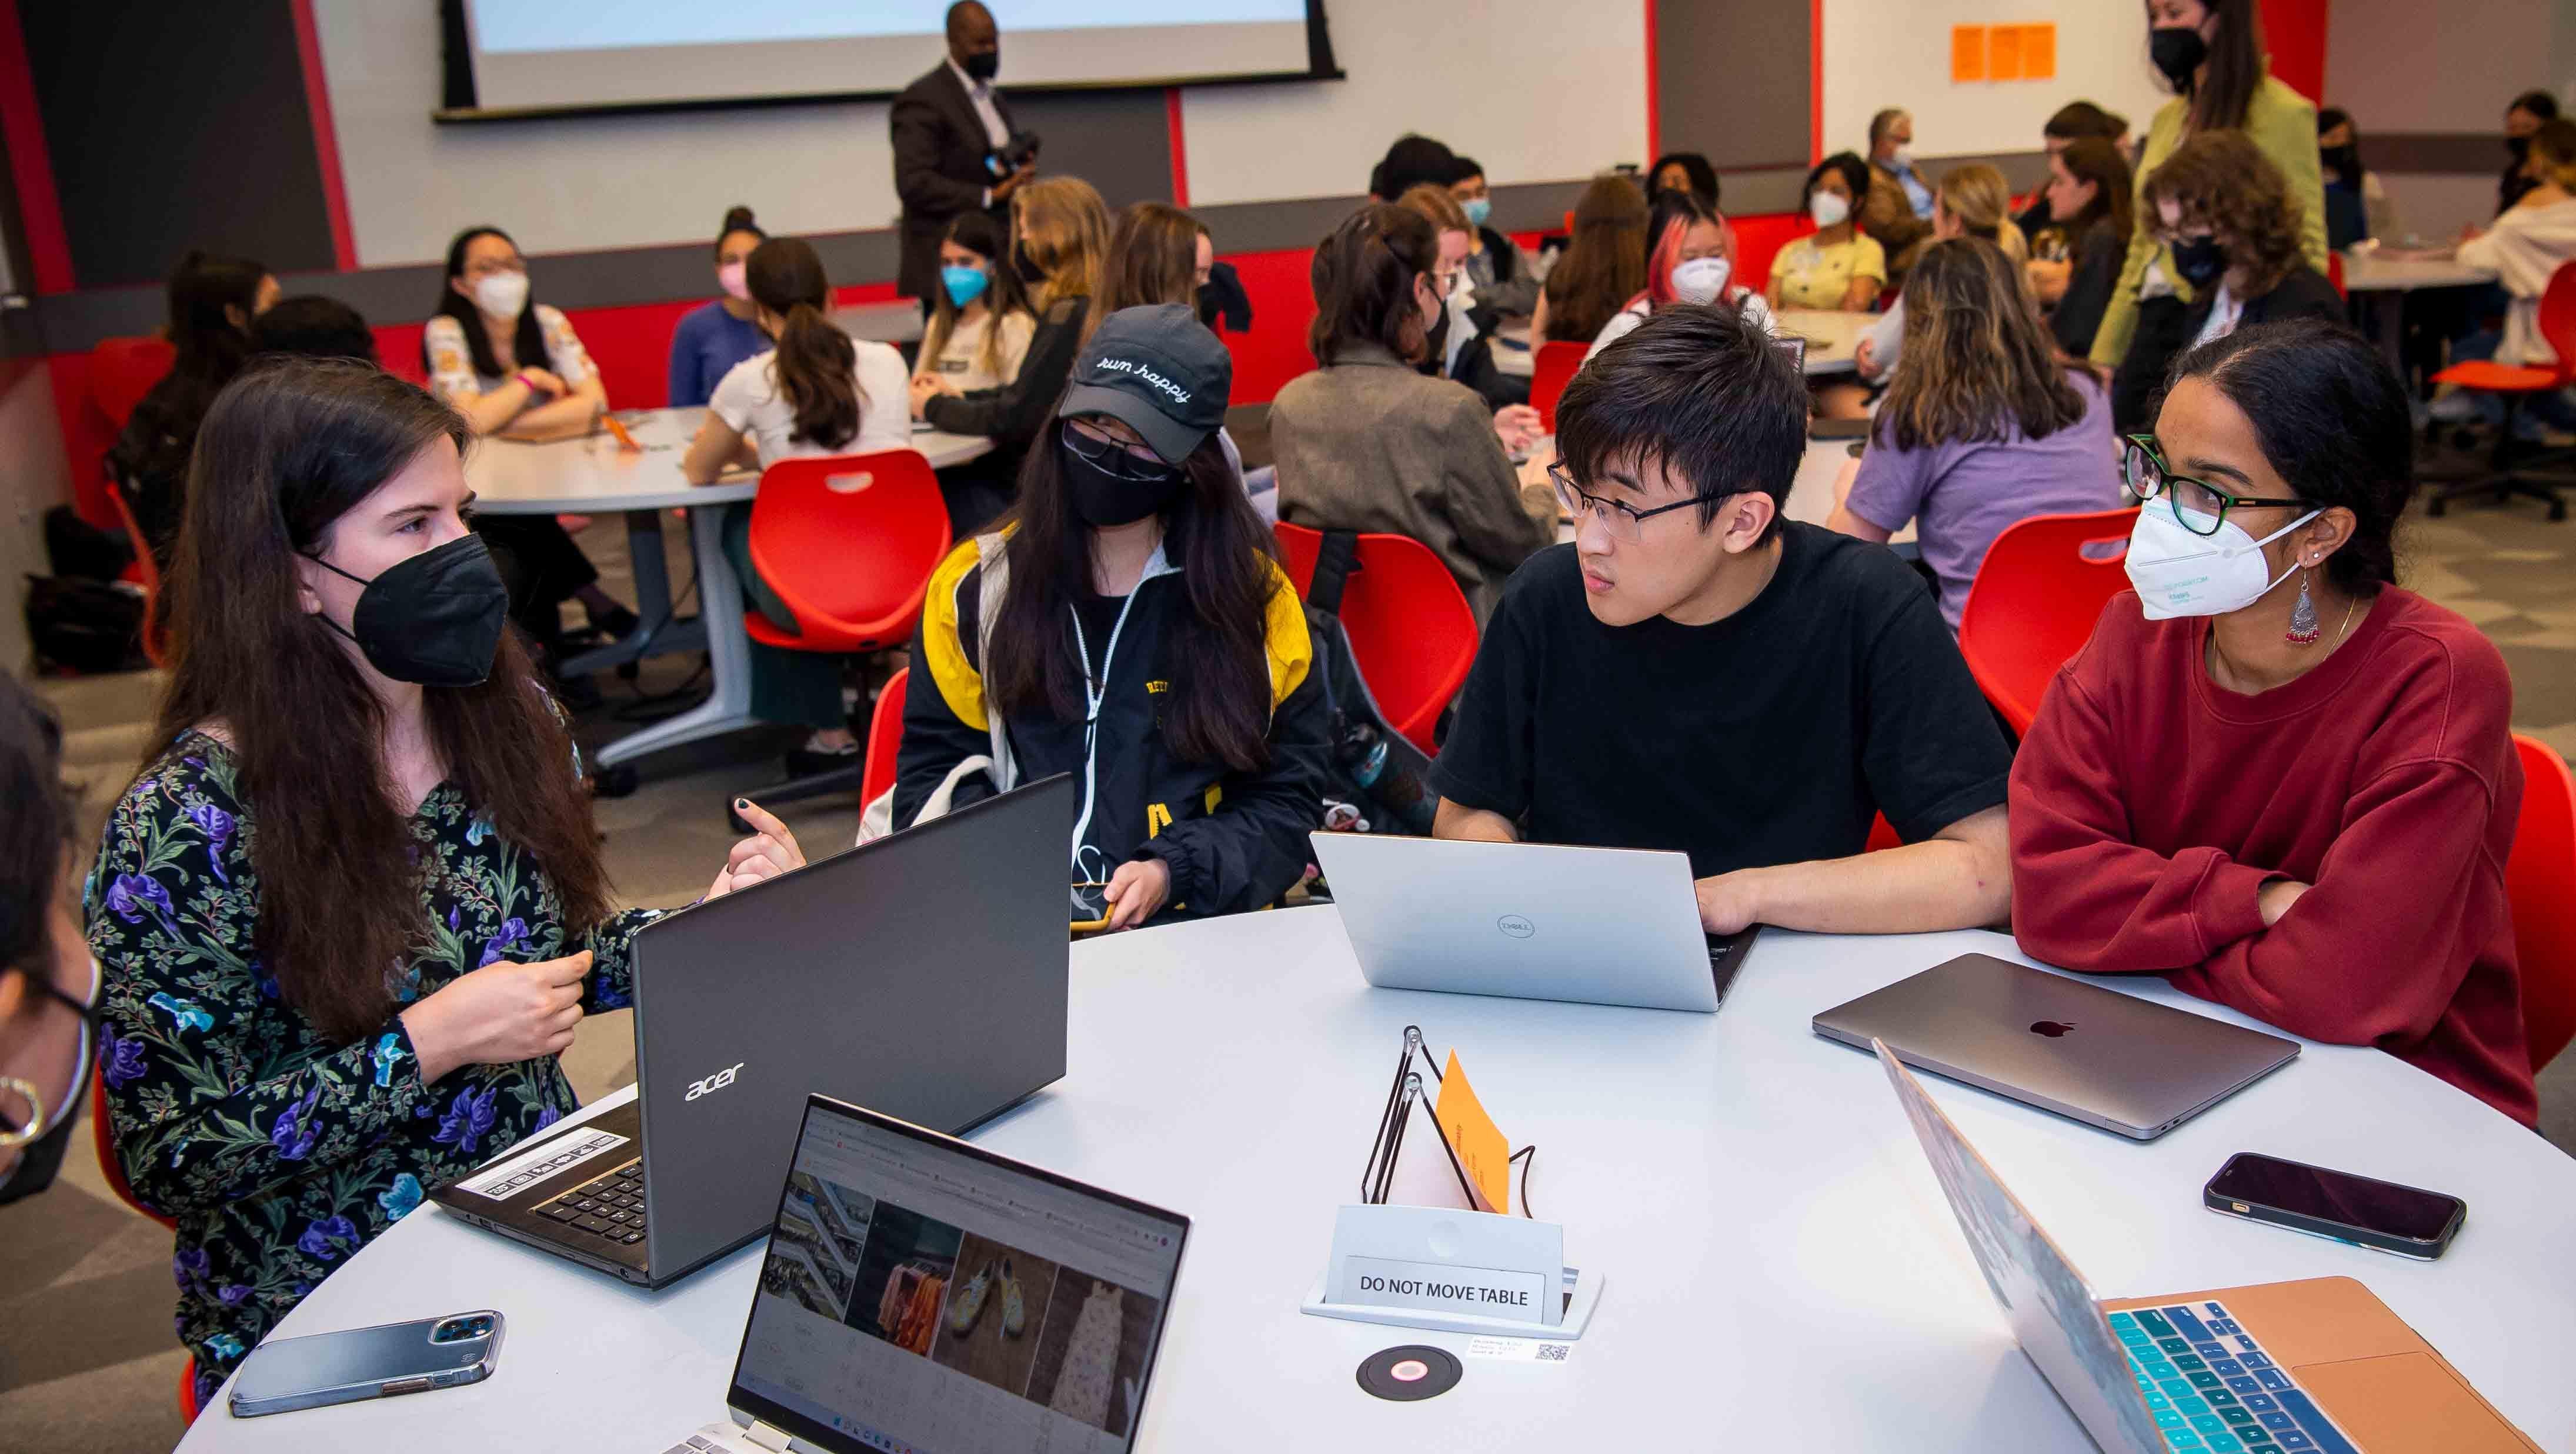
x=2303, y=617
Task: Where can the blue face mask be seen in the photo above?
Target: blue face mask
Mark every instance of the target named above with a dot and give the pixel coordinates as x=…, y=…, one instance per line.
x=964, y=285
x=1478, y=209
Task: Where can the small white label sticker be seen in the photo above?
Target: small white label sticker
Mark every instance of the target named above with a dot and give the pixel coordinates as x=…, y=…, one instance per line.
x=511, y=1177
x=1518, y=1350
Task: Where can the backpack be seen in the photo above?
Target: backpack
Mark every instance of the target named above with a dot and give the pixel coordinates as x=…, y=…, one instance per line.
x=1378, y=781
x=86, y=625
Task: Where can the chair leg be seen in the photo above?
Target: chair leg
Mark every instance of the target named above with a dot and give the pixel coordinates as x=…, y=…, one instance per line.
x=2510, y=465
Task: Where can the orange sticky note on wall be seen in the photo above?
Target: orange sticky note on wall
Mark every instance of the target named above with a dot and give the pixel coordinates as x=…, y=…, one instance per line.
x=1481, y=1148
x=2039, y=52
x=2003, y=52
x=1967, y=53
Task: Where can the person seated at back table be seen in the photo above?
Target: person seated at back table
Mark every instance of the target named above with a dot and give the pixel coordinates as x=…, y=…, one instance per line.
x=1366, y=443
x=1505, y=275
x=1971, y=201
x=1895, y=207
x=1693, y=673
x=2294, y=797
x=1693, y=261
x=2357, y=202
x=1602, y=267
x=213, y=302
x=714, y=336
x=1460, y=345
x=1683, y=171
x=2090, y=194
x=2073, y=122
x=1144, y=640
x=1984, y=426
x=980, y=323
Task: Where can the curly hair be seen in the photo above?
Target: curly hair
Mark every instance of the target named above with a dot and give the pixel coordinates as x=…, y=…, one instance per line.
x=2222, y=178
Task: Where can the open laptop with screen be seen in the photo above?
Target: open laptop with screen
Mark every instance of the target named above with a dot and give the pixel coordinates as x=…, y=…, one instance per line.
x=1532, y=921
x=927, y=1296
x=2319, y=1366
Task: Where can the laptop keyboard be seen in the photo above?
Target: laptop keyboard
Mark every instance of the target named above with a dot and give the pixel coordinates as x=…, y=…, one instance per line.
x=2213, y=1390
x=609, y=1207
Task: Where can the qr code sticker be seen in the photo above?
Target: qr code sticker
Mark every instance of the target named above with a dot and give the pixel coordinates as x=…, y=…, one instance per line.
x=1552, y=1352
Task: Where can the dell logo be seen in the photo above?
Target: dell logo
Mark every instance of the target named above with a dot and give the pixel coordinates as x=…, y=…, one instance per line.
x=2050, y=1028
x=1516, y=926
x=713, y=1083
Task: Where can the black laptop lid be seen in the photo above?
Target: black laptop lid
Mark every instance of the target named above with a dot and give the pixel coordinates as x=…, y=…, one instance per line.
x=922, y=975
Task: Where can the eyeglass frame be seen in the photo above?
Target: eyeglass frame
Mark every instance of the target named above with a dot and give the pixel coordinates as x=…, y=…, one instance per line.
x=39, y=1125
x=2136, y=444
x=1579, y=501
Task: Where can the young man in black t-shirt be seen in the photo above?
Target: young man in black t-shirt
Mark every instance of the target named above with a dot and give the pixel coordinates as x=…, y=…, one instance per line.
x=1694, y=673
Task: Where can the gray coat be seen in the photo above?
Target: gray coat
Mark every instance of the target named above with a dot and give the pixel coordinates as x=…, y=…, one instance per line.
x=1369, y=444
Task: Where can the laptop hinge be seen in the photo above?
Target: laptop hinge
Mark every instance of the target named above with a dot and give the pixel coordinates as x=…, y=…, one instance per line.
x=767, y=1437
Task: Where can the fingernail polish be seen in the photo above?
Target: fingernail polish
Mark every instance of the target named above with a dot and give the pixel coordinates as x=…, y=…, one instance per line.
x=742, y=802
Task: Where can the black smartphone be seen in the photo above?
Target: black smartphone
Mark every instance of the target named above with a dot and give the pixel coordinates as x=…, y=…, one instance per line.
x=2381, y=1215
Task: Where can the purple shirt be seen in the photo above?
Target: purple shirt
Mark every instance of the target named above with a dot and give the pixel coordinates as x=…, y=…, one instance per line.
x=1965, y=494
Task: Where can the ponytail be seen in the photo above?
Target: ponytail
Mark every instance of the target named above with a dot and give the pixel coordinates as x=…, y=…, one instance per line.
x=816, y=364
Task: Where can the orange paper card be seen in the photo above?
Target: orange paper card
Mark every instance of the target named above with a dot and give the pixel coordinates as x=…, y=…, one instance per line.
x=2003, y=52
x=2039, y=52
x=1967, y=53
x=1480, y=1145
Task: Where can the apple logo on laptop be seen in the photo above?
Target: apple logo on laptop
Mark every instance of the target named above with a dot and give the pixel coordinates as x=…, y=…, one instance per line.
x=1515, y=926
x=2050, y=1028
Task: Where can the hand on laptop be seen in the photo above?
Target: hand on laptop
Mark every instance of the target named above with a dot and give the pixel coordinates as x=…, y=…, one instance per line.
x=1726, y=902
x=498, y=1015
x=1136, y=892
x=769, y=851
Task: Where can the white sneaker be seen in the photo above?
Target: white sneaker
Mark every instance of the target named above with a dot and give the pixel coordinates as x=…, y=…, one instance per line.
x=968, y=1304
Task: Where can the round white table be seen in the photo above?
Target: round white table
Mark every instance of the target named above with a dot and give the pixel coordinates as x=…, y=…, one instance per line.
x=2383, y=283
x=597, y=474
x=1779, y=1261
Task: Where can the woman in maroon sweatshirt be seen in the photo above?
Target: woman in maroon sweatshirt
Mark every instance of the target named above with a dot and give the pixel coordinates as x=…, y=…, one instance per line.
x=2272, y=775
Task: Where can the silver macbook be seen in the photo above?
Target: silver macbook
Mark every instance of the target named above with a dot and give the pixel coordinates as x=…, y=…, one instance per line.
x=1531, y=921
x=2099, y=1056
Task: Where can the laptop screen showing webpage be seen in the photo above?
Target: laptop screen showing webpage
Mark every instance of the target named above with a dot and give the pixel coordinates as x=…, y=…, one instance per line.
x=919, y=1296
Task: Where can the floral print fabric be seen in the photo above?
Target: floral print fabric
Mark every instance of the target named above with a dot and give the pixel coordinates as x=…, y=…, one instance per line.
x=277, y=1152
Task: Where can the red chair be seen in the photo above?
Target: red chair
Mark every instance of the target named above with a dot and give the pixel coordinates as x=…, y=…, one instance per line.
x=849, y=543
x=2334, y=274
x=2514, y=383
x=885, y=737
x=111, y=1170
x=2034, y=601
x=155, y=631
x=188, y=1391
x=123, y=370
x=1411, y=630
x=1551, y=370
x=2538, y=878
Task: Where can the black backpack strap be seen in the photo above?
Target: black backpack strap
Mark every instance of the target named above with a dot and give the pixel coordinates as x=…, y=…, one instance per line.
x=1334, y=562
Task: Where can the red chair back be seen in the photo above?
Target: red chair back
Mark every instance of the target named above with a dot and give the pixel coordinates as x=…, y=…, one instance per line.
x=848, y=542
x=885, y=738
x=1550, y=372
x=2540, y=880
x=155, y=632
x=1411, y=629
x=2558, y=315
x=2334, y=273
x=2032, y=606
x=123, y=370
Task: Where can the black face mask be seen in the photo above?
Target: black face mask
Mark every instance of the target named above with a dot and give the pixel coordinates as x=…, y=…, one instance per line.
x=2200, y=261
x=2177, y=51
x=1110, y=486
x=983, y=65
x=1435, y=346
x=1029, y=272
x=41, y=1159
x=434, y=619
x=2343, y=161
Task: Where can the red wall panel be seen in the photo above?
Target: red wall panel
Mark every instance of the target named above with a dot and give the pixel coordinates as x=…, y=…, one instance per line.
x=2294, y=31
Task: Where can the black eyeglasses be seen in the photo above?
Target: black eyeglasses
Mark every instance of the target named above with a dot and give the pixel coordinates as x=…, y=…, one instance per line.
x=2197, y=505
x=1623, y=520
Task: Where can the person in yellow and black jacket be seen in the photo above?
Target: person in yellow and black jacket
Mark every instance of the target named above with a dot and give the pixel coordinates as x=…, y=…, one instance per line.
x=1130, y=626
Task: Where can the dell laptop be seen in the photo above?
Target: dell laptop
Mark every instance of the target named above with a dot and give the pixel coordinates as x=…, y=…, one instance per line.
x=2106, y=1059
x=2319, y=1366
x=923, y=974
x=924, y=1294
x=1532, y=921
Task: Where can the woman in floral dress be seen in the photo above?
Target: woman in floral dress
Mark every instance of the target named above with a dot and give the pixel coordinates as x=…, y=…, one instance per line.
x=354, y=909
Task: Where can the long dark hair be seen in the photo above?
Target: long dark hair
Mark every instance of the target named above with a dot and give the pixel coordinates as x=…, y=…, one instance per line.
x=1978, y=360
x=816, y=364
x=2332, y=418
x=527, y=344
x=1363, y=279
x=2235, y=68
x=1004, y=293
x=36, y=828
x=1604, y=265
x=212, y=345
x=287, y=450
x=2094, y=159
x=1216, y=647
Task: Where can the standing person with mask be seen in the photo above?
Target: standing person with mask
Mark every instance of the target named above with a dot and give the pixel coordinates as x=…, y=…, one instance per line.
x=715, y=336
x=49, y=985
x=1896, y=206
x=2273, y=776
x=2523, y=117
x=952, y=147
x=1504, y=274
x=1129, y=625
x=1693, y=262
x=352, y=910
x=2210, y=52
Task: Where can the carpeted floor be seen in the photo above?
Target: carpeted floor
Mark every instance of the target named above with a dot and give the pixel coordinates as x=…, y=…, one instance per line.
x=86, y=1355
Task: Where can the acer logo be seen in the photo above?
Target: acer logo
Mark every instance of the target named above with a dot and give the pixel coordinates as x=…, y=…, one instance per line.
x=715, y=1082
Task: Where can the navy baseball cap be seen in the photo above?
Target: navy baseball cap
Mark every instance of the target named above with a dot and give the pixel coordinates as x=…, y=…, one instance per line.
x=1158, y=371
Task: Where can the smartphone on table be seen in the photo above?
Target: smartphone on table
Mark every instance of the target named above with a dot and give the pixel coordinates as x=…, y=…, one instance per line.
x=379, y=1362
x=2381, y=1215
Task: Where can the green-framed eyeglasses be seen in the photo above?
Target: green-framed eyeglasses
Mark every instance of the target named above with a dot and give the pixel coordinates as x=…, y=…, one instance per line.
x=2198, y=506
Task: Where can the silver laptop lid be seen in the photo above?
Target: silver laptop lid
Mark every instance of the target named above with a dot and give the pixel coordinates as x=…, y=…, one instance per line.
x=2102, y=1057
x=1534, y=921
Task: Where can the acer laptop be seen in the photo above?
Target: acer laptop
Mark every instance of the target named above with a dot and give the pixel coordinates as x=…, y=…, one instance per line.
x=2102, y=1057
x=924, y=1294
x=1532, y=921
x=2318, y=1366
x=923, y=974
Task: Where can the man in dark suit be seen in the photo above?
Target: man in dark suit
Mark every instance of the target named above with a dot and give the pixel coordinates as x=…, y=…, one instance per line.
x=947, y=126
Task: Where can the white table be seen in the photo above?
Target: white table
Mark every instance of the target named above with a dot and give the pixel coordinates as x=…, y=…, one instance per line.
x=1779, y=1262
x=596, y=474
x=2383, y=284
x=1830, y=336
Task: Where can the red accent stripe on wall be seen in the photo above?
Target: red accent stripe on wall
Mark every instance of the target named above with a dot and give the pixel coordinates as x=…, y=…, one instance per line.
x=2294, y=32
x=40, y=208
x=1180, y=147
x=1654, y=100
x=1815, y=81
x=326, y=140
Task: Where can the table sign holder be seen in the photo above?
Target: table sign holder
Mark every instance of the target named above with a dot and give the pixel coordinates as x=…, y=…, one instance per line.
x=1422, y=1248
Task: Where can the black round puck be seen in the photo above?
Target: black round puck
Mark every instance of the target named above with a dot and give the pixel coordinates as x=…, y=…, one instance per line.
x=1414, y=1371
